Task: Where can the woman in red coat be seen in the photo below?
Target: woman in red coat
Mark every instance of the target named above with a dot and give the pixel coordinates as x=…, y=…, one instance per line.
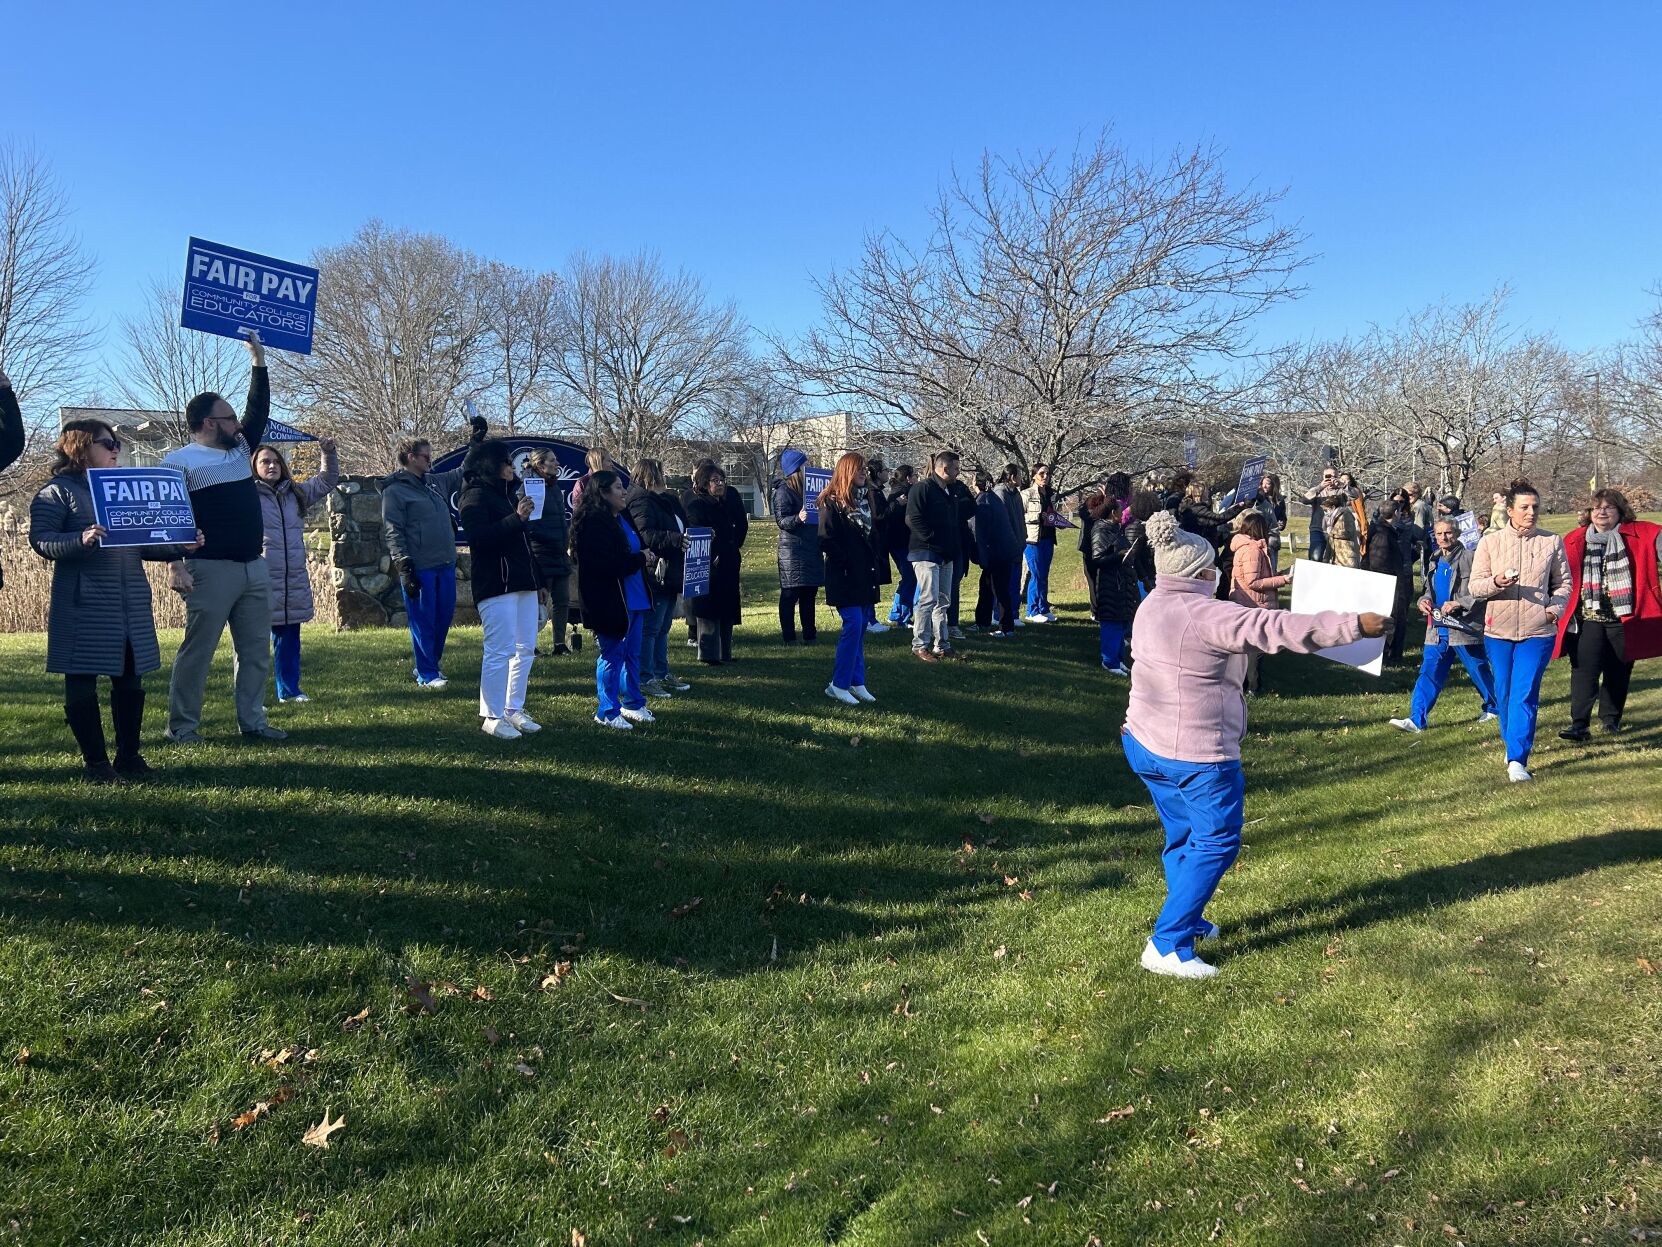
x=1614, y=617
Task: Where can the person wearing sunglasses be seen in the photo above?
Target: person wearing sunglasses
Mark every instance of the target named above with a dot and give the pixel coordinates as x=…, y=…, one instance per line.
x=100, y=621
x=421, y=538
x=228, y=575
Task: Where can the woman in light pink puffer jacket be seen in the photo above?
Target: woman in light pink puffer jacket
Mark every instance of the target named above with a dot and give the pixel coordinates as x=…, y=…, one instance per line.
x=1253, y=579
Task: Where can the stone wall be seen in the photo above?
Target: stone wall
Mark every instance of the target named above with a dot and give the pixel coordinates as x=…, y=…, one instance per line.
x=367, y=593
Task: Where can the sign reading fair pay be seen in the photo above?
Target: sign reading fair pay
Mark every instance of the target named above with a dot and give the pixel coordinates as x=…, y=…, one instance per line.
x=228, y=291
x=142, y=506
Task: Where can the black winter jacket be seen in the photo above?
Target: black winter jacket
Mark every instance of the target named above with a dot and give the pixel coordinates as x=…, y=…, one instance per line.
x=897, y=536
x=851, y=556
x=604, y=562
x=703, y=511
x=502, y=558
x=551, y=535
x=801, y=565
x=1111, y=565
x=932, y=515
x=654, y=513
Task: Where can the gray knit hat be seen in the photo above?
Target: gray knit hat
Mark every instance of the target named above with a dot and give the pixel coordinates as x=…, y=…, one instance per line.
x=1177, y=553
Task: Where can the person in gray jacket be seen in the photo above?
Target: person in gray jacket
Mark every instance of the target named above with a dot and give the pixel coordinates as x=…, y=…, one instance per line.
x=100, y=621
x=421, y=538
x=1454, y=625
x=283, y=506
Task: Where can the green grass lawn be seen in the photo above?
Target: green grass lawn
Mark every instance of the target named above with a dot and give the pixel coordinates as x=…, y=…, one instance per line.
x=779, y=971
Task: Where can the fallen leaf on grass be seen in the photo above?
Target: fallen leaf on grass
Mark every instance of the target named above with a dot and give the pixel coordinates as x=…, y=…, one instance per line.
x=22, y=1058
x=855, y=740
x=261, y=1108
x=579, y=1239
x=1000, y=952
x=480, y=993
x=318, y=1135
x=1010, y=881
x=679, y=1219
x=520, y=1067
x=681, y=911
x=677, y=1143
x=284, y=1056
x=421, y=996
x=356, y=1020
x=492, y=1036
x=554, y=977
x=1118, y=1114
x=1389, y=1174
x=1646, y=965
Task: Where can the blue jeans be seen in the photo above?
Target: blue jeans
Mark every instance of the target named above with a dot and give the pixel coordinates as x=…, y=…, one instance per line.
x=905, y=591
x=1518, y=668
x=1434, y=669
x=617, y=670
x=1202, y=806
x=430, y=616
x=1015, y=592
x=285, y=659
x=1113, y=641
x=1039, y=555
x=1318, y=545
x=655, y=627
x=850, y=665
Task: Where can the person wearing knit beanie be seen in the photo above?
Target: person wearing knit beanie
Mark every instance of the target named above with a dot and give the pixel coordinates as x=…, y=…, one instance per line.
x=1187, y=717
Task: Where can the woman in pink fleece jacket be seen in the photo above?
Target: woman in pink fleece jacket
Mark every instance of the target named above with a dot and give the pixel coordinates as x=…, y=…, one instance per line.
x=1183, y=728
x=1253, y=581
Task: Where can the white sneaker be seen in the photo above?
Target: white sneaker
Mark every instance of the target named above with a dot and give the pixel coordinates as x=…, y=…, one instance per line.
x=1487, y=717
x=1407, y=725
x=1120, y=669
x=296, y=697
x=1038, y=619
x=1517, y=774
x=1168, y=964
x=621, y=723
x=500, y=728
x=523, y=721
x=841, y=694
x=436, y=685
x=643, y=715
x=863, y=693
x=876, y=629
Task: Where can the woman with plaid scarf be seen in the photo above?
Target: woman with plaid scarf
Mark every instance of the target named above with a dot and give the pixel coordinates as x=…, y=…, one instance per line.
x=1615, y=612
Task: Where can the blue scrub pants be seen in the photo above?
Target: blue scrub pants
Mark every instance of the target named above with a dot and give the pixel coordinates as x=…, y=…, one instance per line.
x=1518, y=668
x=905, y=594
x=1202, y=806
x=1434, y=669
x=430, y=616
x=1113, y=641
x=617, y=671
x=1039, y=555
x=285, y=659
x=850, y=665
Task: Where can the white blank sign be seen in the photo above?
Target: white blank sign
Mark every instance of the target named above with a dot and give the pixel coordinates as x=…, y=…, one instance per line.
x=1329, y=587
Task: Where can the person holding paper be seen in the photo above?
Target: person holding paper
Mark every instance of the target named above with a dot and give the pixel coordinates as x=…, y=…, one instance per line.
x=283, y=507
x=228, y=573
x=1614, y=616
x=550, y=535
x=848, y=536
x=1187, y=718
x=801, y=564
x=415, y=518
x=505, y=586
x=610, y=558
x=1454, y=626
x=100, y=620
x=661, y=522
x=1521, y=572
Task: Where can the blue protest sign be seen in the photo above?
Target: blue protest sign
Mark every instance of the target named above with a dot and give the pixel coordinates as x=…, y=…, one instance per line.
x=1191, y=451
x=142, y=506
x=1470, y=533
x=228, y=291
x=695, y=583
x=1252, y=479
x=813, y=481
x=277, y=431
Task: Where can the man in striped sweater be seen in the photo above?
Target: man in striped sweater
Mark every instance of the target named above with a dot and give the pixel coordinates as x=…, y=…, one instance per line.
x=225, y=580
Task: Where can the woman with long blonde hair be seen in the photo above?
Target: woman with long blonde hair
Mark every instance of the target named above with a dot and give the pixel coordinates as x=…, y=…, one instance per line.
x=849, y=539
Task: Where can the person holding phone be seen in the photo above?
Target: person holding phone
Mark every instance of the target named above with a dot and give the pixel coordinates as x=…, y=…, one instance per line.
x=611, y=557
x=1520, y=571
x=1453, y=626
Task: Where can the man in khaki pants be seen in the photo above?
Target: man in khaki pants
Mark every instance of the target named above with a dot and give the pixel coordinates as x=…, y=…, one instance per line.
x=224, y=581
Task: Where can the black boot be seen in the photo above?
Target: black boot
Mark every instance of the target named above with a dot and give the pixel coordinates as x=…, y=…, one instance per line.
x=86, y=721
x=127, y=709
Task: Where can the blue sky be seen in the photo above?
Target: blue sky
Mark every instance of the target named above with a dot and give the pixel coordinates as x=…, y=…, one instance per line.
x=1429, y=151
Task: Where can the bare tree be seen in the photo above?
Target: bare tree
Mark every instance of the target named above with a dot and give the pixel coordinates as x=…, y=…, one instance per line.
x=401, y=340
x=164, y=366
x=758, y=416
x=1059, y=310
x=1630, y=398
x=519, y=309
x=644, y=353
x=45, y=275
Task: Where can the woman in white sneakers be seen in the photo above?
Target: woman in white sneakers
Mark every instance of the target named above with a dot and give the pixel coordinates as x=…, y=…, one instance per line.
x=505, y=585
x=610, y=557
x=848, y=538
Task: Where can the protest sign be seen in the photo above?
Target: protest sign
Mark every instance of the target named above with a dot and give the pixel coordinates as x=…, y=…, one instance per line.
x=142, y=506
x=1191, y=451
x=1329, y=587
x=1470, y=533
x=1252, y=479
x=695, y=582
x=277, y=431
x=228, y=291
x=536, y=489
x=813, y=481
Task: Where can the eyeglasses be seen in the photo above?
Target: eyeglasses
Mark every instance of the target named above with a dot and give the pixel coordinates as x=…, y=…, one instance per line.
x=108, y=443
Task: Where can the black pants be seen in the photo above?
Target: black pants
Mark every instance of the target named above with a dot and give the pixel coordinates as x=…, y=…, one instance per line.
x=1598, y=649
x=86, y=719
x=793, y=602
x=82, y=690
x=994, y=589
x=715, y=639
x=1399, y=616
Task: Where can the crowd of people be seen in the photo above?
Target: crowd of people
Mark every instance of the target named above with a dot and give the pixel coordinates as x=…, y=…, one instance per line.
x=1185, y=591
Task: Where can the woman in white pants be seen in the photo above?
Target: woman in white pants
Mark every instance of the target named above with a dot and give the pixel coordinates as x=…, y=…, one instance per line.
x=504, y=586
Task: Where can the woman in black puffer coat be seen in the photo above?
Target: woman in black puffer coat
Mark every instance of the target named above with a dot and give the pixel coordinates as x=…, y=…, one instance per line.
x=1111, y=568
x=801, y=563
x=505, y=584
